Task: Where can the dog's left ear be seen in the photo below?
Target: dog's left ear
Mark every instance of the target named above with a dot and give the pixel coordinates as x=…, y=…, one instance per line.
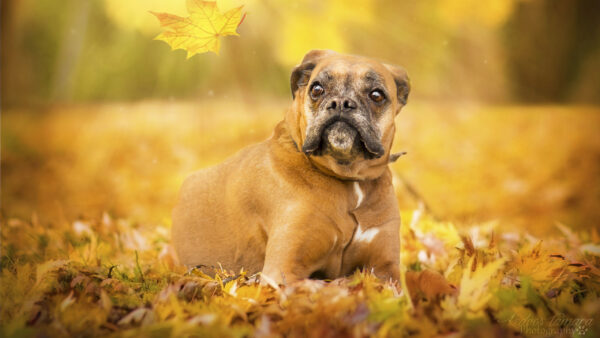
x=402, y=82
x=301, y=73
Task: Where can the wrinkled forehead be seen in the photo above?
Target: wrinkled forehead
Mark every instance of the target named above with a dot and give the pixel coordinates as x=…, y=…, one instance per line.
x=352, y=69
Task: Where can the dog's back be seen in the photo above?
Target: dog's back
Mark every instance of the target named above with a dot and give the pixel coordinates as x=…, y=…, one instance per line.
x=203, y=217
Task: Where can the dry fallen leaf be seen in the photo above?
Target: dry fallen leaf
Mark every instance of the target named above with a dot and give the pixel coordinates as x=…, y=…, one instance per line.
x=199, y=32
x=428, y=284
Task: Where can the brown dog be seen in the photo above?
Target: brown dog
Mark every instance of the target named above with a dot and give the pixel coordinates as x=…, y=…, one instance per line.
x=316, y=199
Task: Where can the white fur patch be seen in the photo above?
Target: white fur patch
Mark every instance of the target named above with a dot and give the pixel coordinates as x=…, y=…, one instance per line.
x=365, y=236
x=359, y=194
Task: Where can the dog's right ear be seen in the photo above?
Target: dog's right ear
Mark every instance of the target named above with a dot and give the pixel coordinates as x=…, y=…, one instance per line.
x=301, y=73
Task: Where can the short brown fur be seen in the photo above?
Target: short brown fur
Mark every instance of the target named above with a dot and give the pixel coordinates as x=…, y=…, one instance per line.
x=275, y=209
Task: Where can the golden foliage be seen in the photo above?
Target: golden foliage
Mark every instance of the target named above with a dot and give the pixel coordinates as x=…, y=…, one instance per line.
x=103, y=276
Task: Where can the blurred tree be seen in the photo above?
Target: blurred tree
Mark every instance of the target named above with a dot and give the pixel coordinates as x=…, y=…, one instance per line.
x=70, y=49
x=550, y=47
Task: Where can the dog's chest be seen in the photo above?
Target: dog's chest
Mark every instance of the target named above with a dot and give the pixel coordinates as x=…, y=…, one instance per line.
x=358, y=193
x=368, y=213
x=355, y=232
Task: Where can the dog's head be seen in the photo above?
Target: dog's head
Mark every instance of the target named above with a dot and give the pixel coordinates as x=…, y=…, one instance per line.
x=343, y=112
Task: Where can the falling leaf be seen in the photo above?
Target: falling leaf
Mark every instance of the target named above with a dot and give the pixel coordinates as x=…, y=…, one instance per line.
x=201, y=31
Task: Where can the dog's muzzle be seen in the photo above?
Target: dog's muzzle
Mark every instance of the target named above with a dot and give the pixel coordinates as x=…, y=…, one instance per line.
x=343, y=137
x=340, y=138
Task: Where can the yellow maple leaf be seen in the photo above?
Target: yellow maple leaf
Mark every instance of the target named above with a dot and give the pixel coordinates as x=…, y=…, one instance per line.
x=474, y=294
x=199, y=32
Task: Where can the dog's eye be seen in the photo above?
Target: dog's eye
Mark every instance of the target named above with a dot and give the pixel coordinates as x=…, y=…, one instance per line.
x=376, y=95
x=316, y=91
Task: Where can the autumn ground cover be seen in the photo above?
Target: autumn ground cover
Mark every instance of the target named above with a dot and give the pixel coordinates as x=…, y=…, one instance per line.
x=501, y=201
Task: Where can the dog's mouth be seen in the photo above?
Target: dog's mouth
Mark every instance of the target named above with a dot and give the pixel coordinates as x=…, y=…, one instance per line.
x=344, y=139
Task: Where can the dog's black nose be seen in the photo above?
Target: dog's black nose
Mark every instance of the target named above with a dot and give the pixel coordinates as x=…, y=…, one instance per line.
x=348, y=104
x=343, y=104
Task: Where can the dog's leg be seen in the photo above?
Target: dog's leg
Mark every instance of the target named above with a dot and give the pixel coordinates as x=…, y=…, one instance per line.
x=383, y=253
x=298, y=249
x=375, y=249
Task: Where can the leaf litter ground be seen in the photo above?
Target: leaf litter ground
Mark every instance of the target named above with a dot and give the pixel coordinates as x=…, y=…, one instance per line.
x=70, y=269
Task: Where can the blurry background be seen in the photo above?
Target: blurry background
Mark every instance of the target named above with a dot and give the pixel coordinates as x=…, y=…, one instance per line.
x=496, y=51
x=502, y=122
